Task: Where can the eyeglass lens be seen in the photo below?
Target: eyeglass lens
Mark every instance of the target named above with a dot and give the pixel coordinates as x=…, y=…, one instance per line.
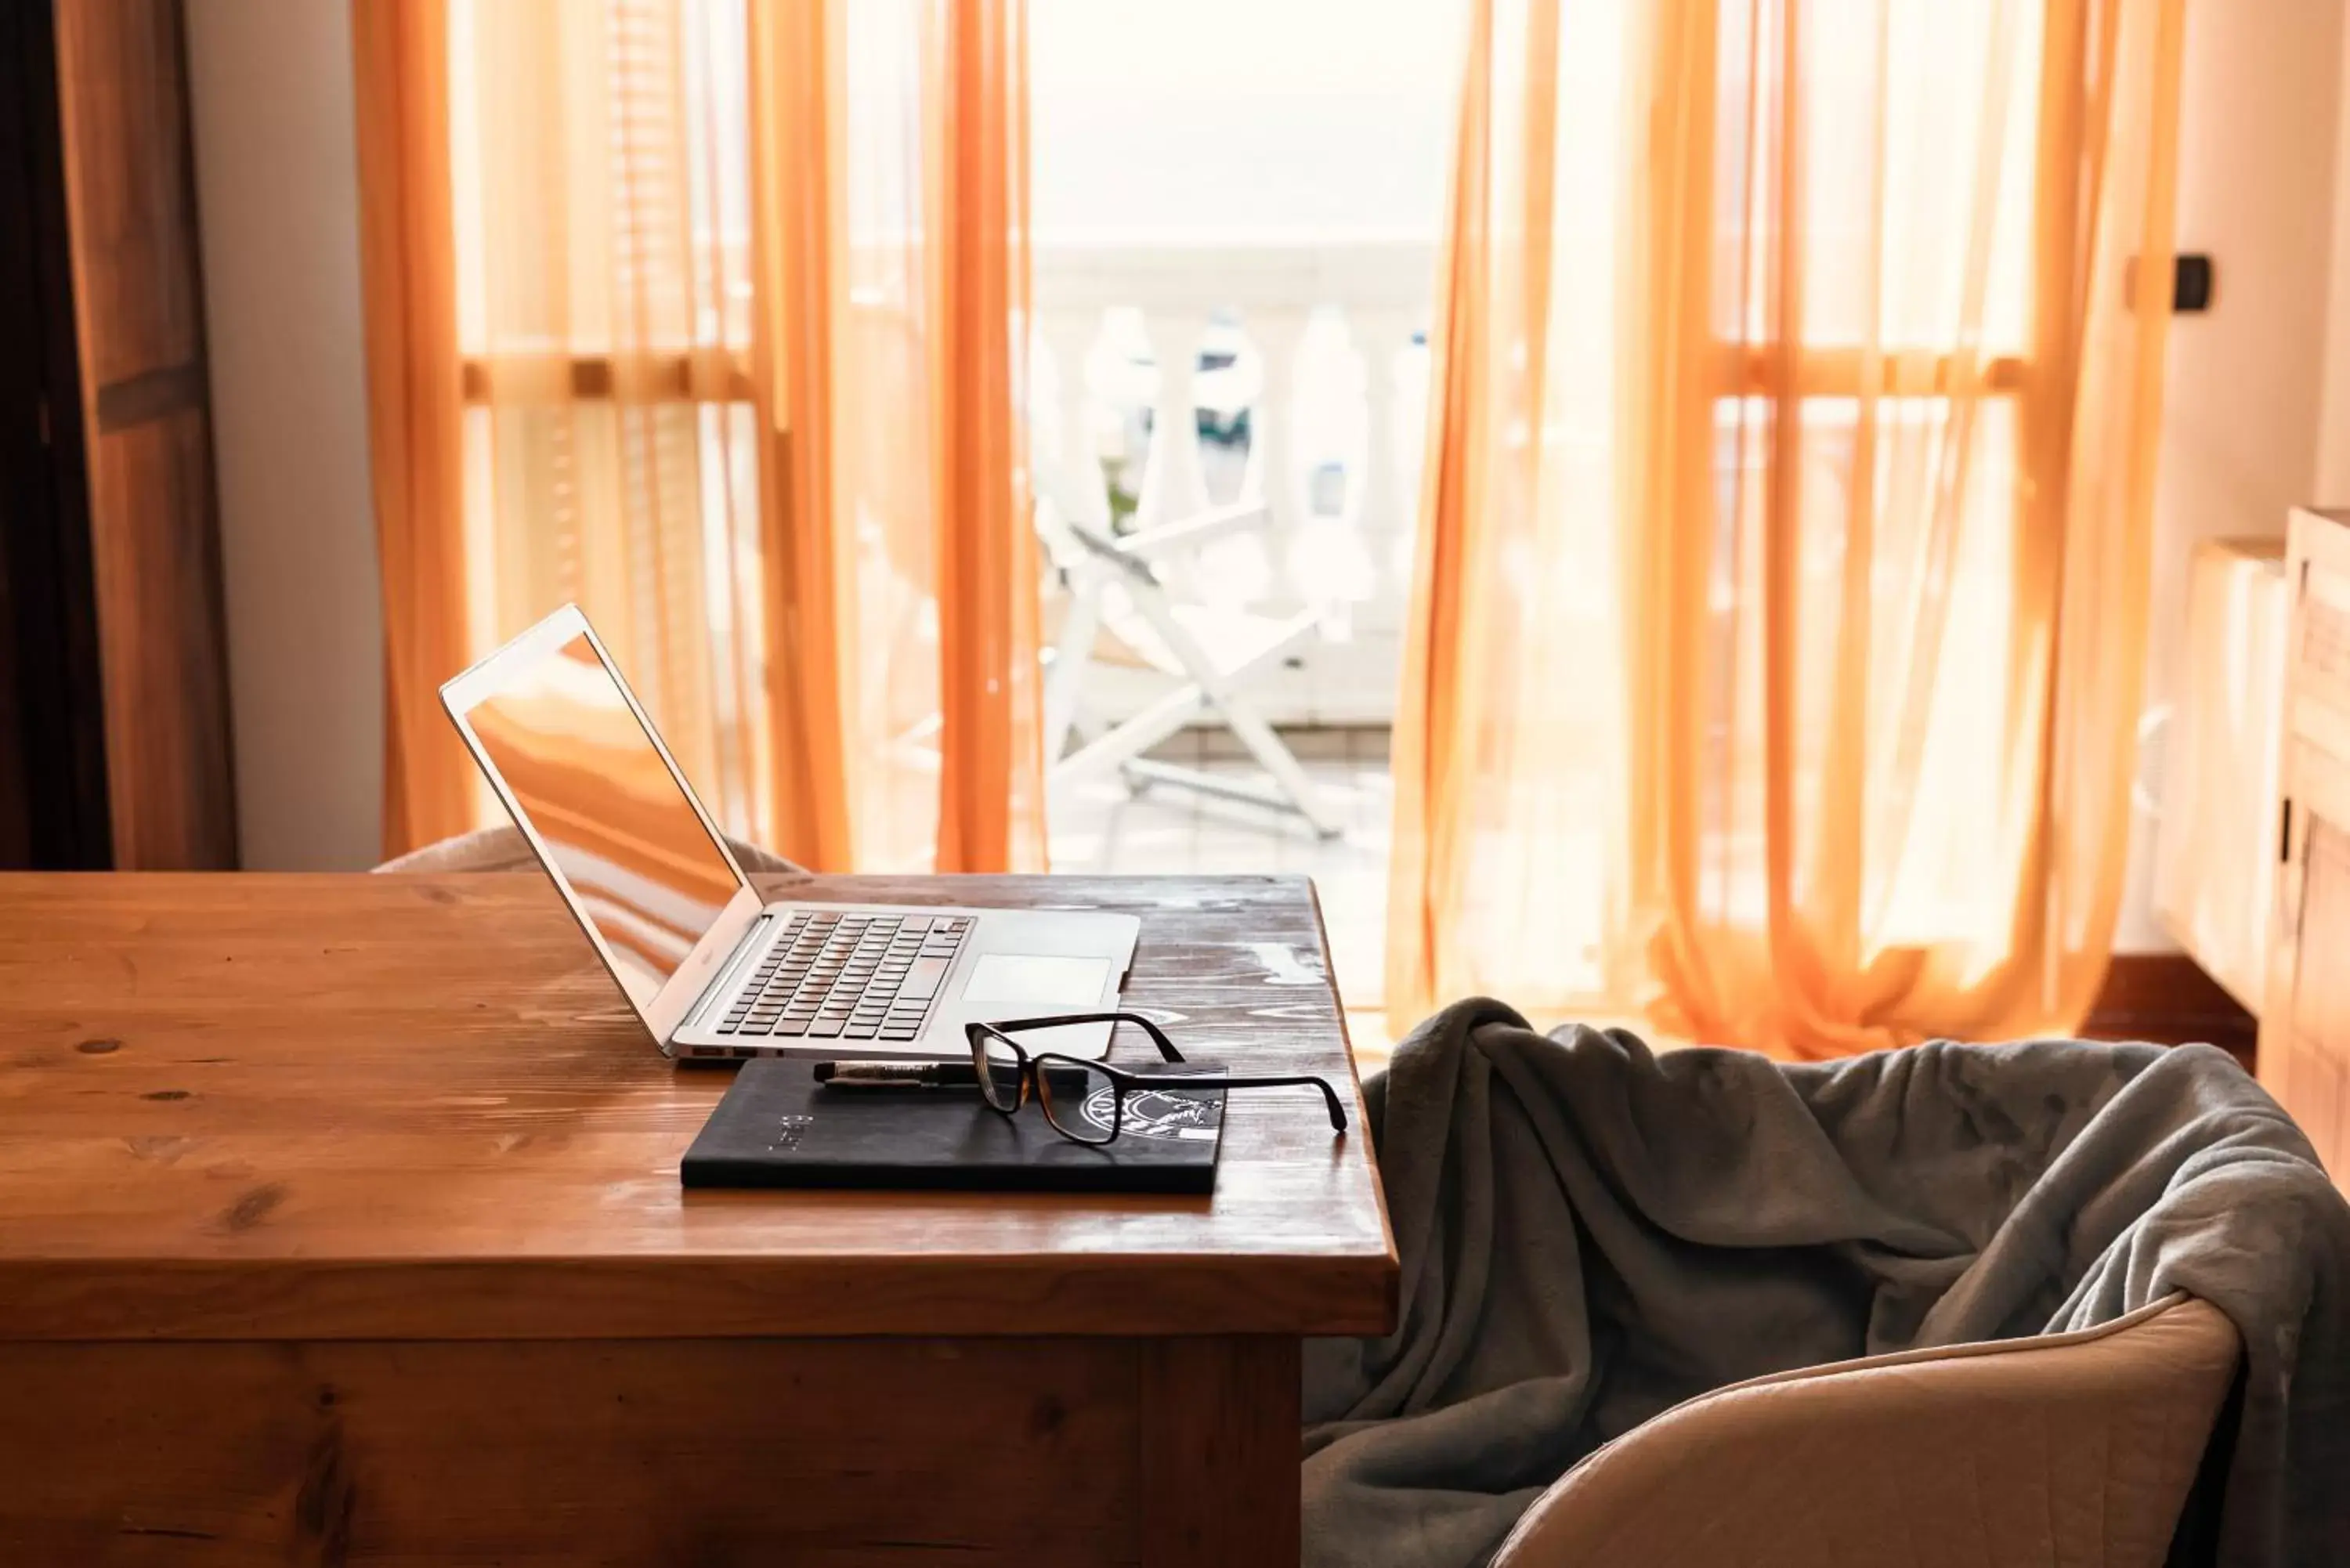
x=999, y=1071
x=1080, y=1100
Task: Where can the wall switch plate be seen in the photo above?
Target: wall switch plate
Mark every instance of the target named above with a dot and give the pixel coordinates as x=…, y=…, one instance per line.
x=2190, y=289
x=2190, y=284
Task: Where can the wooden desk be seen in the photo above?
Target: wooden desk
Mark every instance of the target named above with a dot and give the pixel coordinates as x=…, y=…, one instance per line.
x=339, y=1222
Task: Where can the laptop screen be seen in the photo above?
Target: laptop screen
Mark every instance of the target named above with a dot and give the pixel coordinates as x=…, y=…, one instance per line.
x=620, y=829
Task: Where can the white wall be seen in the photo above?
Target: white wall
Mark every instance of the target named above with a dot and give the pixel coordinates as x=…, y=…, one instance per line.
x=277, y=190
x=2260, y=103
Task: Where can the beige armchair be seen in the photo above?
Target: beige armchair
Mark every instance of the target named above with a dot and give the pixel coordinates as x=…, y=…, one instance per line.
x=2072, y=1449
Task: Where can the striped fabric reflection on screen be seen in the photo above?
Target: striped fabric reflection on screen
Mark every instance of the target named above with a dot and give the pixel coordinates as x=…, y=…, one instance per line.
x=621, y=832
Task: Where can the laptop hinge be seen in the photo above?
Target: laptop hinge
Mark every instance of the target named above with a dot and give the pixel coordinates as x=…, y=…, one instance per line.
x=723, y=984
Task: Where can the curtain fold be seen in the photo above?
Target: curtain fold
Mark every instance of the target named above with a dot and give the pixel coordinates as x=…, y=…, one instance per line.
x=1774, y=667
x=888, y=149
x=731, y=298
x=409, y=264
x=992, y=779
x=798, y=241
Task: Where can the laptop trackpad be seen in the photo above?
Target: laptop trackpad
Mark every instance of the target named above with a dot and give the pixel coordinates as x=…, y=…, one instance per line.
x=1036, y=981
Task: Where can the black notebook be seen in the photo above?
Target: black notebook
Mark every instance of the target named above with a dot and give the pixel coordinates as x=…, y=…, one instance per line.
x=777, y=1127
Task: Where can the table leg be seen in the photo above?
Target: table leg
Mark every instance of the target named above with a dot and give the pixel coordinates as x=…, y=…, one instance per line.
x=1219, y=1482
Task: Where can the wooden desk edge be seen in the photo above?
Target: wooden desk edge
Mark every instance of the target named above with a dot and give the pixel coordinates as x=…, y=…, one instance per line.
x=1361, y=1114
x=554, y=1298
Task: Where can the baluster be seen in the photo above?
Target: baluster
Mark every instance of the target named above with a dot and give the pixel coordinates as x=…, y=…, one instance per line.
x=1076, y=481
x=1278, y=335
x=1174, y=485
x=1386, y=516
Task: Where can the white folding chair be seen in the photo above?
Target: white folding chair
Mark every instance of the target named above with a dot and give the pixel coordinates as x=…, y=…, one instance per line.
x=1212, y=655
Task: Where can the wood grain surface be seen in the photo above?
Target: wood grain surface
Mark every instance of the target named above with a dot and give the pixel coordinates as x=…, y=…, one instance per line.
x=168, y=774
x=1220, y=1422
x=399, y=1108
x=137, y=286
x=123, y=101
x=582, y=1453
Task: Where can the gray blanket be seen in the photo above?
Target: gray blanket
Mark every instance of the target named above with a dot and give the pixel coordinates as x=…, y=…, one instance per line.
x=1590, y=1234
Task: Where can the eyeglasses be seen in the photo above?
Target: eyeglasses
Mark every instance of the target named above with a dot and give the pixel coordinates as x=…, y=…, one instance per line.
x=1086, y=1101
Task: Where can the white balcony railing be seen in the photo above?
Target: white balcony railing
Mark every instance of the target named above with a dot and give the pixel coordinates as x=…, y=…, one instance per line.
x=1177, y=376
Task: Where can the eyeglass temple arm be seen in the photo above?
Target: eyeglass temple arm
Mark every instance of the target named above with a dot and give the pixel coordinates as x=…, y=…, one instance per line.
x=1157, y=1036
x=1329, y=1095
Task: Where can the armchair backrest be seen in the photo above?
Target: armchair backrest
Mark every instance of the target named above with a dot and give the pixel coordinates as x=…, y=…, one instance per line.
x=2075, y=1448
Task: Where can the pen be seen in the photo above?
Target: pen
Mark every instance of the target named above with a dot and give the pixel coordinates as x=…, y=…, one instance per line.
x=897, y=1075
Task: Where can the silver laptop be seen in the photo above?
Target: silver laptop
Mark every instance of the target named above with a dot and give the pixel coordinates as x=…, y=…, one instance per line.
x=712, y=968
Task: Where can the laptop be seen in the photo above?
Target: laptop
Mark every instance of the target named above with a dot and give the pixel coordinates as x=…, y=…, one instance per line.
x=713, y=969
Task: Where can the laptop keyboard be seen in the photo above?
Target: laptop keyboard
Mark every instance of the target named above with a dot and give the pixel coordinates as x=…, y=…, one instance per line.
x=830, y=975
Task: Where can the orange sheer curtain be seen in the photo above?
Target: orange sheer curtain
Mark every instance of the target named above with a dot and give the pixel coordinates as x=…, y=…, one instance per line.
x=887, y=146
x=707, y=362
x=1774, y=658
x=410, y=305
